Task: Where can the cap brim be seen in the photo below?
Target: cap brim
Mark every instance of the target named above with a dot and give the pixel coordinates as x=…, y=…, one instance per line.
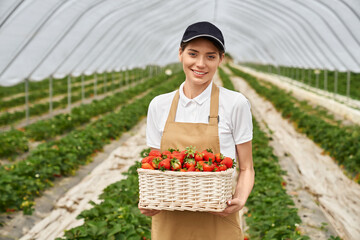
x=205, y=35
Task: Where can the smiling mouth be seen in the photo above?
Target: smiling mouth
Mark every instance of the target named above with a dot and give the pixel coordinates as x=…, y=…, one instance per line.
x=199, y=73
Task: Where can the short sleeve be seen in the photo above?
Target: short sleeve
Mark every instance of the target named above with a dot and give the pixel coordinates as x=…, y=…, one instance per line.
x=242, y=121
x=153, y=133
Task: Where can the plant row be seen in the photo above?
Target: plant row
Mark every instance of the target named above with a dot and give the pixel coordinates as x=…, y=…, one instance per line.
x=226, y=80
x=317, y=78
x=117, y=216
x=340, y=142
x=271, y=212
x=61, y=87
x=58, y=83
x=40, y=108
x=266, y=218
x=21, y=182
x=16, y=141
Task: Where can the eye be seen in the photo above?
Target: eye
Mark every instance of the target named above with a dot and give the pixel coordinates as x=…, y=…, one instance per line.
x=192, y=54
x=211, y=57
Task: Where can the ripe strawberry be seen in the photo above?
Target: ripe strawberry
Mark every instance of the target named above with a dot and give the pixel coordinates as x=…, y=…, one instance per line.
x=166, y=154
x=147, y=159
x=228, y=162
x=165, y=164
x=208, y=167
x=188, y=162
x=219, y=157
x=155, y=153
x=179, y=156
x=175, y=164
x=208, y=156
x=183, y=170
x=155, y=162
x=147, y=166
x=200, y=165
x=199, y=156
x=222, y=167
x=191, y=169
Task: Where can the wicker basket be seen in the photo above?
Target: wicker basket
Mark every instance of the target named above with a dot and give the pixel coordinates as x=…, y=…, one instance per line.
x=191, y=191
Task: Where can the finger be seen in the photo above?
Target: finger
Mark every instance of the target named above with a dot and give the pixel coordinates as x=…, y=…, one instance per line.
x=153, y=212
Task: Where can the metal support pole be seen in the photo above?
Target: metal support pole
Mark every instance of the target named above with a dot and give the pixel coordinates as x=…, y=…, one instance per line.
x=317, y=79
x=348, y=84
x=325, y=80
x=27, y=101
x=50, y=96
x=126, y=76
x=105, y=87
x=303, y=75
x=297, y=73
x=112, y=81
x=336, y=82
x=69, y=92
x=309, y=76
x=120, y=78
x=95, y=87
x=82, y=89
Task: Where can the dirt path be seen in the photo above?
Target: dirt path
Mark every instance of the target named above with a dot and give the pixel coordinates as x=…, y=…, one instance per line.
x=319, y=188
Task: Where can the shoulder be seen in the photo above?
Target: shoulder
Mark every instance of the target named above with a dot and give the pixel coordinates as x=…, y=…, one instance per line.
x=162, y=101
x=232, y=99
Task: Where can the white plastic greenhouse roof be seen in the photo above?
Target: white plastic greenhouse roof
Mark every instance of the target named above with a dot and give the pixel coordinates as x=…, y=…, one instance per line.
x=42, y=38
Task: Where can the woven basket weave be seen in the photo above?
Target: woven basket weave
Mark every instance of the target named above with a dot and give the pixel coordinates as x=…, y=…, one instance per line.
x=191, y=191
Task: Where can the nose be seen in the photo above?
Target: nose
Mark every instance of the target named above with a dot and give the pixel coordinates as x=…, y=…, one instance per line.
x=200, y=63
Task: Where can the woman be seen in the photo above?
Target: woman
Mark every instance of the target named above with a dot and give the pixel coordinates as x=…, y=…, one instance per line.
x=206, y=116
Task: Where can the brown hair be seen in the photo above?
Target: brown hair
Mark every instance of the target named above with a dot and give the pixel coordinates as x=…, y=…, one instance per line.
x=183, y=45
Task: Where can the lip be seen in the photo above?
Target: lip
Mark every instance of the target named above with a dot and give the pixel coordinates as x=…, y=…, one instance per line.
x=198, y=75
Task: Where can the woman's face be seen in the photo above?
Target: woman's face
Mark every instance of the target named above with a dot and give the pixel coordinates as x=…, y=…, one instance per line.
x=200, y=60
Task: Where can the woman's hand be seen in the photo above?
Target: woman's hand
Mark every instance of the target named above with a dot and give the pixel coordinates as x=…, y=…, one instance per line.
x=149, y=212
x=234, y=205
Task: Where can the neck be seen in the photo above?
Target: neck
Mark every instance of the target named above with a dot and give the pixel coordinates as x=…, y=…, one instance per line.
x=193, y=90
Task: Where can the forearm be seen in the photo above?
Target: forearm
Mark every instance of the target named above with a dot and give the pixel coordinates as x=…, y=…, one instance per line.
x=244, y=184
x=246, y=176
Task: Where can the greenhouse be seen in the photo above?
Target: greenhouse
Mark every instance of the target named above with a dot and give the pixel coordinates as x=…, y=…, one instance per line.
x=88, y=100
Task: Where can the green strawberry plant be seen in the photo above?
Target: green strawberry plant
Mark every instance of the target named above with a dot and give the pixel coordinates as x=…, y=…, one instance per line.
x=339, y=141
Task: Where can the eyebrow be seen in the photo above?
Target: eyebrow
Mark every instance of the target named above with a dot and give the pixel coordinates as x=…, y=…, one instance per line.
x=198, y=51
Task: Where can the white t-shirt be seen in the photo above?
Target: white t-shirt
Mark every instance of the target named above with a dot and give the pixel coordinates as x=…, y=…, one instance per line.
x=235, y=125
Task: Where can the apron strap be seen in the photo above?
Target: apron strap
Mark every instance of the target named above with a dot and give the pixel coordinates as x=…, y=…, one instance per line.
x=214, y=106
x=173, y=108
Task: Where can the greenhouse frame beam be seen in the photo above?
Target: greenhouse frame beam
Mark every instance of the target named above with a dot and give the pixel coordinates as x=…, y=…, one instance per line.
x=293, y=49
x=295, y=19
x=340, y=40
x=31, y=37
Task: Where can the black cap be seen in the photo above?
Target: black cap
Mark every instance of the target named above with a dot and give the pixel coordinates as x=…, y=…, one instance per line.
x=204, y=29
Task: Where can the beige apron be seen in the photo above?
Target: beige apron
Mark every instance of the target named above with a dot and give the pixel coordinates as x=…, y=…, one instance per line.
x=187, y=225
